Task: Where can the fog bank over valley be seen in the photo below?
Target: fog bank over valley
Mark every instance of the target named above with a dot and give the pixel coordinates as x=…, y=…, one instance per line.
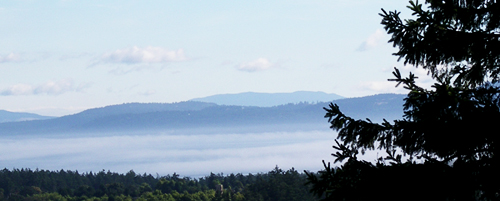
x=164, y=153
x=189, y=138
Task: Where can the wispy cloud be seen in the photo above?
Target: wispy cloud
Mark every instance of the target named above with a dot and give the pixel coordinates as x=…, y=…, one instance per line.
x=257, y=65
x=135, y=68
x=74, y=56
x=372, y=41
x=48, y=88
x=148, y=54
x=147, y=93
x=12, y=57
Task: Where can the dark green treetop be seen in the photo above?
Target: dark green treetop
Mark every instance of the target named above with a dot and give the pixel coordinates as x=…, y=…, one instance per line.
x=448, y=134
x=462, y=35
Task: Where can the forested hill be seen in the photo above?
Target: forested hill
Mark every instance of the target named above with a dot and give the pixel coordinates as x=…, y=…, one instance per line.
x=193, y=115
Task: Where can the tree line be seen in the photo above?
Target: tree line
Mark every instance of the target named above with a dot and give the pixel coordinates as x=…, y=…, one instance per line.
x=275, y=185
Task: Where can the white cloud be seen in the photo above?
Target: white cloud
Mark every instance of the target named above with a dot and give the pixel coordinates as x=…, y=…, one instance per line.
x=49, y=88
x=54, y=88
x=143, y=55
x=12, y=57
x=18, y=89
x=372, y=41
x=257, y=65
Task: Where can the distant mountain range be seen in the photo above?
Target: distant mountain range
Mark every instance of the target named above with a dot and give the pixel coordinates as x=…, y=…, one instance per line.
x=205, y=116
x=268, y=99
x=6, y=116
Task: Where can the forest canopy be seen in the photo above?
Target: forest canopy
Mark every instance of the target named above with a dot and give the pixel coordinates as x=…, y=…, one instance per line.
x=275, y=185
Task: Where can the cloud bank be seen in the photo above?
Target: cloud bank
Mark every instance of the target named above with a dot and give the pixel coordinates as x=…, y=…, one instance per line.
x=257, y=65
x=186, y=154
x=48, y=88
x=148, y=54
x=372, y=41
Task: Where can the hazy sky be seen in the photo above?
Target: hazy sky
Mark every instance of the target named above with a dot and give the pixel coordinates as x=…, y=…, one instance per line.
x=60, y=57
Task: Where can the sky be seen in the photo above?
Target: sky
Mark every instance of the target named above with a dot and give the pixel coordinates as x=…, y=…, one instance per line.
x=60, y=57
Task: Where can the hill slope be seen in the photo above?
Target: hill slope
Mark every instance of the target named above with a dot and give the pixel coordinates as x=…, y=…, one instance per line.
x=200, y=115
x=6, y=116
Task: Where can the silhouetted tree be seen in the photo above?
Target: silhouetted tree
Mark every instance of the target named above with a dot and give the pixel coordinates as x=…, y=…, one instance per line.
x=445, y=146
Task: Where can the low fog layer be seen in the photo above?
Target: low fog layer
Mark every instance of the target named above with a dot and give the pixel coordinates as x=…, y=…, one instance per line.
x=164, y=153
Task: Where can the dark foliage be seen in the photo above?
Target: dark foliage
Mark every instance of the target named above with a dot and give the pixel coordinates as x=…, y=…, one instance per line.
x=70, y=183
x=461, y=34
x=445, y=147
x=26, y=184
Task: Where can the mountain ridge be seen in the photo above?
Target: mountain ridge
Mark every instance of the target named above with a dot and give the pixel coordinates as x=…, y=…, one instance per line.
x=199, y=115
x=7, y=116
x=268, y=99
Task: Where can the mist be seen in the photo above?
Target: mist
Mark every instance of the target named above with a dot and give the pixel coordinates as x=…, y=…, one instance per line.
x=166, y=152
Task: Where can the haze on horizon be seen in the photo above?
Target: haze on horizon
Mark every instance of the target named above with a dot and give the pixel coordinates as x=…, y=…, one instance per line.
x=167, y=153
x=60, y=57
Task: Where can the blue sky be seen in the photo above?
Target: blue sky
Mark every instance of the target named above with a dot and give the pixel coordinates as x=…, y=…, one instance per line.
x=61, y=57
